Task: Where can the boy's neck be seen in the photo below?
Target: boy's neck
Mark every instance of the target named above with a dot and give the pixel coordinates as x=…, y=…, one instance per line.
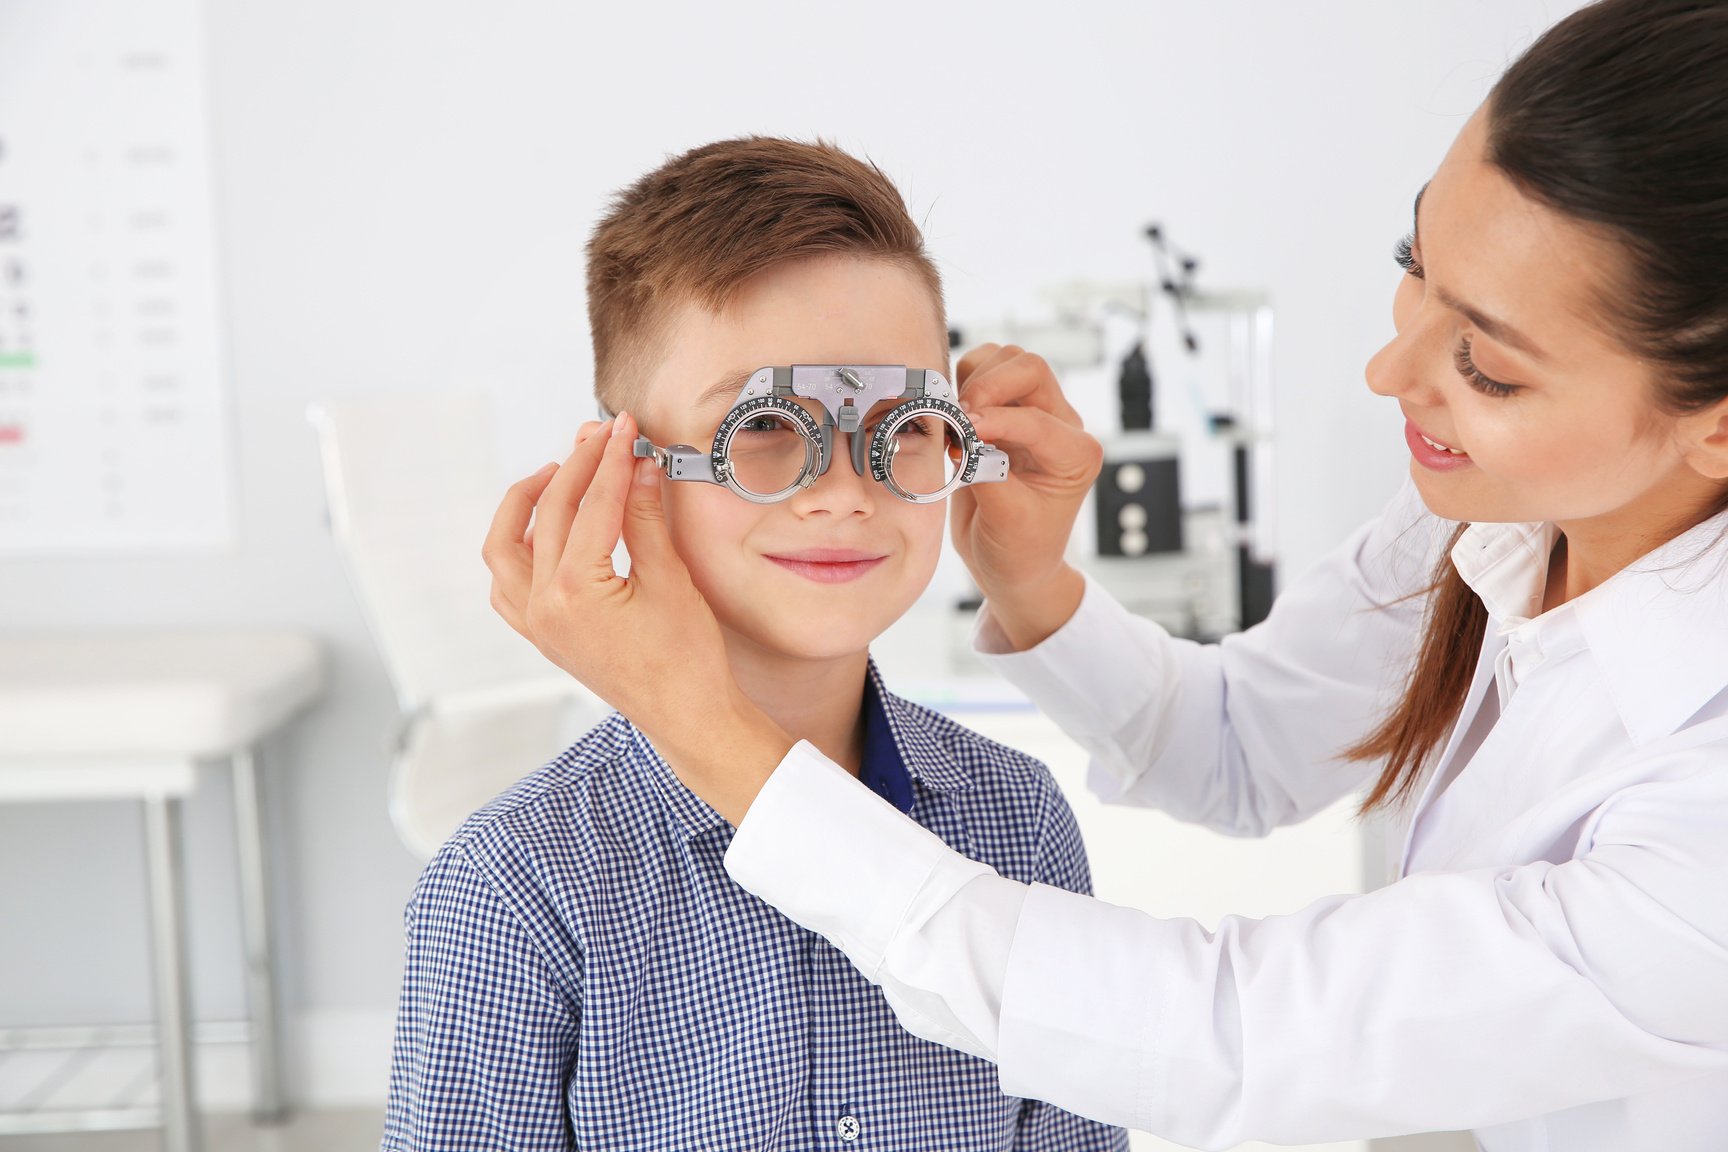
x=821, y=701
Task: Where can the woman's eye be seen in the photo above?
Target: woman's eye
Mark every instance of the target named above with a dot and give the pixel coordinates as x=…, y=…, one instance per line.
x=1467, y=369
x=1405, y=253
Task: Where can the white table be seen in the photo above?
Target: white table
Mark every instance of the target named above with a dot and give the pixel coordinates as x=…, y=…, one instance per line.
x=86, y=717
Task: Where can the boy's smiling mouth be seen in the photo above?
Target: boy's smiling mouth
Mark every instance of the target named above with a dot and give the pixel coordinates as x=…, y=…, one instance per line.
x=828, y=565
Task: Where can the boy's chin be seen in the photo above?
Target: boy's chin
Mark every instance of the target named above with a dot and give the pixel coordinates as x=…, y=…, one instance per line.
x=802, y=649
x=780, y=640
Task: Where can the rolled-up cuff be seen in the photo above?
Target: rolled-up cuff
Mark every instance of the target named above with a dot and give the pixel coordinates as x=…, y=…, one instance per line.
x=834, y=857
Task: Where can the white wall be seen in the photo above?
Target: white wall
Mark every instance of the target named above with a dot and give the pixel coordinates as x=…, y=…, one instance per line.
x=405, y=189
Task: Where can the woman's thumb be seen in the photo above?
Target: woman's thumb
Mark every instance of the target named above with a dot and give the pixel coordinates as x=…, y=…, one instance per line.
x=645, y=533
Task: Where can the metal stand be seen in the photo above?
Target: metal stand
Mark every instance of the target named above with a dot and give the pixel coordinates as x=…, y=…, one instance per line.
x=263, y=1010
x=180, y=1130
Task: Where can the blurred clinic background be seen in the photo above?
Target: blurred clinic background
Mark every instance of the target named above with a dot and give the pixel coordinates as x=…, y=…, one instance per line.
x=290, y=291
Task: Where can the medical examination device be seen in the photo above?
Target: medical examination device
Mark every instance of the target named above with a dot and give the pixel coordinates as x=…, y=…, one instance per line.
x=1181, y=520
x=907, y=433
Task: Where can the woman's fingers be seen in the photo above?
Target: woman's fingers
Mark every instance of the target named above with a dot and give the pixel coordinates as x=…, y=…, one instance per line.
x=982, y=357
x=1023, y=379
x=506, y=547
x=645, y=533
x=558, y=504
x=599, y=523
x=1040, y=445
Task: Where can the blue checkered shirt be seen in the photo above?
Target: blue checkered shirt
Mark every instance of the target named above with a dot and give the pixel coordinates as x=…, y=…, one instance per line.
x=582, y=973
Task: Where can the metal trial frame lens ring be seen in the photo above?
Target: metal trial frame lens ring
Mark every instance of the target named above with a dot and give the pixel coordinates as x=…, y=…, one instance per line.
x=882, y=455
x=775, y=407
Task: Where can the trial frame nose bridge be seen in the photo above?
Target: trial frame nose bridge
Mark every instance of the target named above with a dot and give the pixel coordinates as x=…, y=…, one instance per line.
x=847, y=393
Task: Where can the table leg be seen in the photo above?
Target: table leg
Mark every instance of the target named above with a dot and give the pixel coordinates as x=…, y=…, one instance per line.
x=173, y=1010
x=268, y=1105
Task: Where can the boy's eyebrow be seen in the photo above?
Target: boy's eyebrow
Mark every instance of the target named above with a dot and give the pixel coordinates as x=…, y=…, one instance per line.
x=727, y=387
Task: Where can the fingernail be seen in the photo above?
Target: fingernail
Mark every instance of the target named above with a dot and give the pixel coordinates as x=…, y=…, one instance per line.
x=645, y=473
x=545, y=468
x=618, y=423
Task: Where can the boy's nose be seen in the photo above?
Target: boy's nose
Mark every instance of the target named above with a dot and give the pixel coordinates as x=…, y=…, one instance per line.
x=841, y=489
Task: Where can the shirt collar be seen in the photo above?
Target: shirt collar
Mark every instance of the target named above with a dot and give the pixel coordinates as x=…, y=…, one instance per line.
x=1507, y=566
x=884, y=769
x=1655, y=629
x=900, y=746
x=915, y=732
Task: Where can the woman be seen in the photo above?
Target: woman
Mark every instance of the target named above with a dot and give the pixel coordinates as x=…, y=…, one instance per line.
x=1525, y=655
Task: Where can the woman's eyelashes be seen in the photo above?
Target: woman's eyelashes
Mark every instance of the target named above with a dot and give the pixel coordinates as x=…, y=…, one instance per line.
x=1405, y=253
x=1467, y=369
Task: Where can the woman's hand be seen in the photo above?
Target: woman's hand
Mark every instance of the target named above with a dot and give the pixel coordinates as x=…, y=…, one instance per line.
x=1013, y=535
x=647, y=644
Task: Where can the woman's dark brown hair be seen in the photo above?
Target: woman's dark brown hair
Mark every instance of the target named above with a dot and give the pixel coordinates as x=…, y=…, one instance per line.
x=1617, y=116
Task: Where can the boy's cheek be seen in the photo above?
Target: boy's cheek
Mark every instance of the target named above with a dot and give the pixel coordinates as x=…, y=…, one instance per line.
x=705, y=522
x=932, y=530
x=673, y=502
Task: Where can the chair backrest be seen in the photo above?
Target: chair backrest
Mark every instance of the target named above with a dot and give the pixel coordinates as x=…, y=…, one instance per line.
x=463, y=751
x=411, y=487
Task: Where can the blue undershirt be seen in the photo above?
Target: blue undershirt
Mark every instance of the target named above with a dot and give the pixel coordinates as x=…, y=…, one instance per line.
x=883, y=771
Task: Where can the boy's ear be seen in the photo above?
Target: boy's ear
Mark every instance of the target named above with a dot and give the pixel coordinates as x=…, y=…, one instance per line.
x=1704, y=437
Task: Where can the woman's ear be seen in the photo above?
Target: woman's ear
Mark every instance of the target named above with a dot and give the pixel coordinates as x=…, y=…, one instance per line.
x=1704, y=440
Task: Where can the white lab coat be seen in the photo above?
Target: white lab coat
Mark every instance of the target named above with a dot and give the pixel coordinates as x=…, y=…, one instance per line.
x=1551, y=970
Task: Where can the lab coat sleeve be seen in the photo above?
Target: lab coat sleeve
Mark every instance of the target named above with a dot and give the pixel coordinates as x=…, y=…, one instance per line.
x=1245, y=735
x=1061, y=863
x=1446, y=1000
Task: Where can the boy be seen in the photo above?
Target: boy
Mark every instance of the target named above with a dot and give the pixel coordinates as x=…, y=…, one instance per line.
x=581, y=971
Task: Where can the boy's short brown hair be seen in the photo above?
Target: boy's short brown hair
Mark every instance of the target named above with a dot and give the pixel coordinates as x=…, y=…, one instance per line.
x=701, y=224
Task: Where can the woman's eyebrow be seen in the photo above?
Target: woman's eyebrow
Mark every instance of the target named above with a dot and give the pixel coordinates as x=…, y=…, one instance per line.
x=1497, y=330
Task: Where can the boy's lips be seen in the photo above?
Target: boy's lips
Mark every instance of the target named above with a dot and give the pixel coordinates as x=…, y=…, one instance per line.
x=827, y=565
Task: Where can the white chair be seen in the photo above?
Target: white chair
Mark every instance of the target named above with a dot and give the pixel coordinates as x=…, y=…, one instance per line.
x=412, y=487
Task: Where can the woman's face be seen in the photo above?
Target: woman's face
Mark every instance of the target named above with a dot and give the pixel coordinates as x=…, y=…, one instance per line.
x=1522, y=401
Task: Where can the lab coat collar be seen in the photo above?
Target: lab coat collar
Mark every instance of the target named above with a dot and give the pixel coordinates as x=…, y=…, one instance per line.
x=1656, y=629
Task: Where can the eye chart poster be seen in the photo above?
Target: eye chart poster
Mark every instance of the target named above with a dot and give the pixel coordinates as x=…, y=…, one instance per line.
x=114, y=424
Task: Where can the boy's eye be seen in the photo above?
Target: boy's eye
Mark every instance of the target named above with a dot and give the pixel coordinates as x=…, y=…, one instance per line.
x=919, y=426
x=764, y=424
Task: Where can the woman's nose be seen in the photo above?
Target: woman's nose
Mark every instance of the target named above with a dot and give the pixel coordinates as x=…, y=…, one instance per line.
x=1404, y=367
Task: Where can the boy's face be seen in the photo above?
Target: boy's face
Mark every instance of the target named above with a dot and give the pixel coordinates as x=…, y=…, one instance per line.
x=820, y=574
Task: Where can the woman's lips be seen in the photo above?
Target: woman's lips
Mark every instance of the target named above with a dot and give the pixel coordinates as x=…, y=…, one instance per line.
x=1431, y=454
x=828, y=565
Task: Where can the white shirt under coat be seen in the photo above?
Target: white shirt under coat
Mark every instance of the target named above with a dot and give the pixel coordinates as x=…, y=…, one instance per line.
x=1551, y=969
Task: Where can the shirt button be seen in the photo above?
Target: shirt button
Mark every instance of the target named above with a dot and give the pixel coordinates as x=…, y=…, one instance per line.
x=849, y=1129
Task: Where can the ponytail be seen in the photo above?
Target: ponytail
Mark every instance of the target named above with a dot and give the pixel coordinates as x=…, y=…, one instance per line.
x=1434, y=696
